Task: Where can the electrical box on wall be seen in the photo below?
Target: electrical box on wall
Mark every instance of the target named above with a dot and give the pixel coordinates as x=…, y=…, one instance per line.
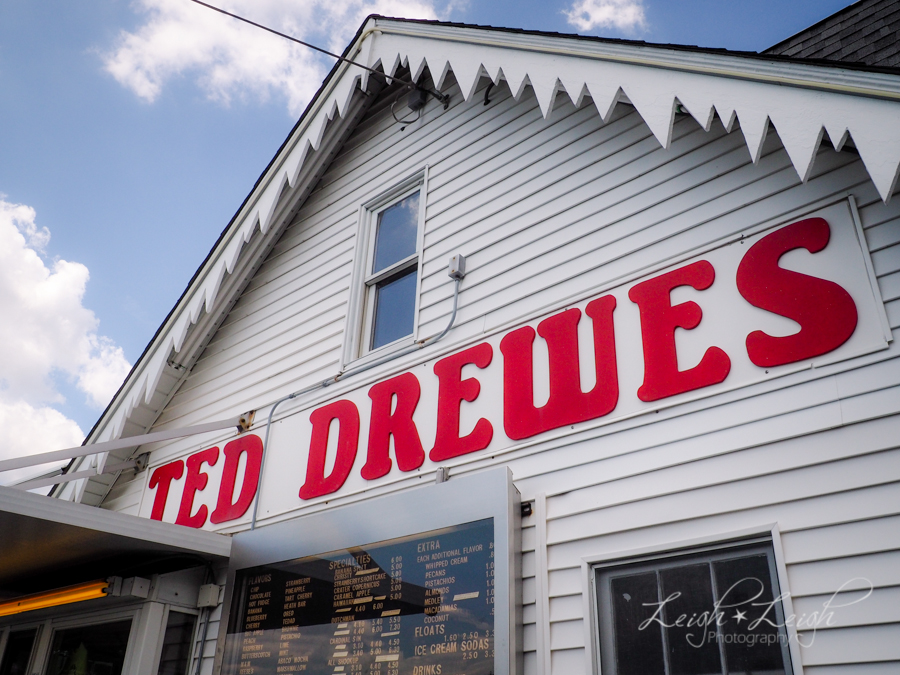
x=136, y=587
x=428, y=580
x=457, y=267
x=208, y=596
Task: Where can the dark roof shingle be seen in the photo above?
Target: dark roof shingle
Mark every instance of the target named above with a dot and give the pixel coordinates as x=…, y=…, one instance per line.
x=866, y=32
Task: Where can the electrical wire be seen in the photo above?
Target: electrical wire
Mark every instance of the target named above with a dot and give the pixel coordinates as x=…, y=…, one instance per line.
x=443, y=98
x=404, y=120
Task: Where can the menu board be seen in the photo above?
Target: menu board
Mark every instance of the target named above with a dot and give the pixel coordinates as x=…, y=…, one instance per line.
x=419, y=605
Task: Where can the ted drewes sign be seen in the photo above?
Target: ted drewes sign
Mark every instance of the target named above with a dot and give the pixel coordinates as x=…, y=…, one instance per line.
x=786, y=298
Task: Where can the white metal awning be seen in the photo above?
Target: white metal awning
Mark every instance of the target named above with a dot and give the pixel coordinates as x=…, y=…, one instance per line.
x=49, y=543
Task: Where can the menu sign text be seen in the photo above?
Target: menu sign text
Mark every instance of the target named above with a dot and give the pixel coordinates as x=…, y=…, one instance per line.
x=419, y=605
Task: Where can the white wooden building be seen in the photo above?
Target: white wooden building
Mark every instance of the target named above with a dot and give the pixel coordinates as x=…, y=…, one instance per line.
x=632, y=183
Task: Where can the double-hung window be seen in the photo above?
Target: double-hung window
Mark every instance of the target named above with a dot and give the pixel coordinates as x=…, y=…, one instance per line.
x=391, y=269
x=712, y=611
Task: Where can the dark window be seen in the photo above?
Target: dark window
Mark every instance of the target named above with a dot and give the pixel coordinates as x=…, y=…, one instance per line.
x=92, y=650
x=17, y=654
x=176, y=648
x=711, y=612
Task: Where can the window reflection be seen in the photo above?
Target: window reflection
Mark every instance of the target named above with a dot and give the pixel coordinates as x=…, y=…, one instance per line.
x=395, y=237
x=395, y=302
x=176, y=644
x=18, y=652
x=90, y=650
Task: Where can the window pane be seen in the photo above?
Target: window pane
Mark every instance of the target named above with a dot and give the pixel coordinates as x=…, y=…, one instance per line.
x=395, y=236
x=639, y=651
x=97, y=650
x=176, y=644
x=745, y=588
x=691, y=651
x=18, y=652
x=395, y=303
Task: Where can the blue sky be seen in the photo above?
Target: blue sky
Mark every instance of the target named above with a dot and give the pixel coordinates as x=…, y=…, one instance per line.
x=130, y=132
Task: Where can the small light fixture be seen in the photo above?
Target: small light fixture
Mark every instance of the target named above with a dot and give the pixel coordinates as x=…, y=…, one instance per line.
x=54, y=598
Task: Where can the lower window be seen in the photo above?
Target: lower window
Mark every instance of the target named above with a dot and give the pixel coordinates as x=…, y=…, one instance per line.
x=712, y=611
x=17, y=655
x=98, y=649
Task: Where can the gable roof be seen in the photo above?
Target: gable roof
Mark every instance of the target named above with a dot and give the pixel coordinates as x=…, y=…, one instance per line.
x=866, y=32
x=803, y=101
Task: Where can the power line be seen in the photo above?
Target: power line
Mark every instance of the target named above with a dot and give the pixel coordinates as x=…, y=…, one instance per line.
x=443, y=98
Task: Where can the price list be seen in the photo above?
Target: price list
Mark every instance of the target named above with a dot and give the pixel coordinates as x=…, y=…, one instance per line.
x=420, y=605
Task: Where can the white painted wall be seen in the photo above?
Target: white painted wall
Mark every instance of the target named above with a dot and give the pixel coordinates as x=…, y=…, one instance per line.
x=544, y=210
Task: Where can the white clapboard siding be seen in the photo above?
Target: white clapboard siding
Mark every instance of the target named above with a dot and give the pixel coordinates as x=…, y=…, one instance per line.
x=882, y=235
x=893, y=312
x=854, y=669
x=529, y=596
x=751, y=422
x=886, y=260
x=878, y=643
x=890, y=285
x=882, y=231
x=208, y=649
x=545, y=210
x=825, y=576
x=856, y=608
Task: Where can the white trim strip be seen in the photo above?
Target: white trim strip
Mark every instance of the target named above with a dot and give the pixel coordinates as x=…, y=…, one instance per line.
x=542, y=584
x=109, y=446
x=66, y=477
x=870, y=270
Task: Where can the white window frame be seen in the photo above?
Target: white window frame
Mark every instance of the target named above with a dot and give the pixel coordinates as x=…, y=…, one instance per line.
x=360, y=314
x=768, y=533
x=144, y=622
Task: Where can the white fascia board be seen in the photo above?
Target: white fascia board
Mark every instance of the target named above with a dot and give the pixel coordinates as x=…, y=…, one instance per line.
x=801, y=101
x=757, y=68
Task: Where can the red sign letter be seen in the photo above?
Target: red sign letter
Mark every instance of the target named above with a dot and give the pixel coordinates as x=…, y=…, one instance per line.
x=162, y=479
x=194, y=482
x=659, y=319
x=825, y=311
x=400, y=425
x=347, y=415
x=249, y=445
x=567, y=404
x=451, y=392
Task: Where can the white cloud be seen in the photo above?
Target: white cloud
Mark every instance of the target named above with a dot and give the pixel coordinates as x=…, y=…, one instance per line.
x=46, y=332
x=26, y=430
x=232, y=60
x=624, y=15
